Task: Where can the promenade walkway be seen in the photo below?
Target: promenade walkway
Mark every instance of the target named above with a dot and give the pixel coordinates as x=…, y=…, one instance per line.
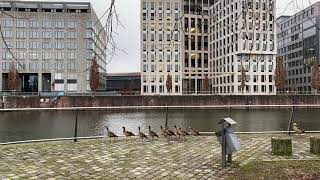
x=193, y=158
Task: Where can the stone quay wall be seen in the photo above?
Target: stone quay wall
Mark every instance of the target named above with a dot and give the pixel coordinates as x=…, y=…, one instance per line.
x=115, y=101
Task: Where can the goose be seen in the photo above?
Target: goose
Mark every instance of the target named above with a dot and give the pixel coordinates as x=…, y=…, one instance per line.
x=141, y=134
x=111, y=134
x=164, y=133
x=297, y=129
x=152, y=133
x=184, y=132
x=169, y=132
x=127, y=133
x=194, y=132
x=177, y=132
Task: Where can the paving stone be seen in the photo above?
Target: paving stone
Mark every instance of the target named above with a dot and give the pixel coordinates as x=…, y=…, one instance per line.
x=193, y=158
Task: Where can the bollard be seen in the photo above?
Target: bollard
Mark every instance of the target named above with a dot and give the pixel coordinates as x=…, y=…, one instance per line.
x=281, y=146
x=315, y=145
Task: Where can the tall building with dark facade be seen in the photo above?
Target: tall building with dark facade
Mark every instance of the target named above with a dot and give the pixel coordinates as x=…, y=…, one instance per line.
x=298, y=44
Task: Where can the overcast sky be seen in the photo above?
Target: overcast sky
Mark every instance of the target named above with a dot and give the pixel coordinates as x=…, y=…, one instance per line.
x=129, y=38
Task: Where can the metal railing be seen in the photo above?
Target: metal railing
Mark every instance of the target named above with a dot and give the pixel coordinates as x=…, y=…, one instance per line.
x=137, y=93
x=75, y=137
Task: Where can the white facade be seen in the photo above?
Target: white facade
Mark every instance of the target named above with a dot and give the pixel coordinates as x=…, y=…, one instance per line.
x=173, y=43
x=242, y=33
x=160, y=49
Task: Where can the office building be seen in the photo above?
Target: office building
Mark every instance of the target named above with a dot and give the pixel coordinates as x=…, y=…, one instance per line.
x=298, y=44
x=192, y=39
x=242, y=35
x=174, y=41
x=52, y=45
x=124, y=83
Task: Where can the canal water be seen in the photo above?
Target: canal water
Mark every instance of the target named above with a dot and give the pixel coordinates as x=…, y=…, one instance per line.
x=18, y=126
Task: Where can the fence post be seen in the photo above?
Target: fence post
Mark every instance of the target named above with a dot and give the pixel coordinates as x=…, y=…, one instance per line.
x=76, y=128
x=167, y=109
x=291, y=119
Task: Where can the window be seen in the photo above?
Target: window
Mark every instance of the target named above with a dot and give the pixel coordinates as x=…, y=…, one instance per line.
x=6, y=65
x=46, y=35
x=45, y=66
x=59, y=55
x=59, y=45
x=59, y=24
x=33, y=34
x=21, y=23
x=20, y=45
x=71, y=66
x=59, y=34
x=72, y=24
x=46, y=45
x=6, y=55
x=21, y=34
x=33, y=24
x=46, y=24
x=71, y=55
x=89, y=55
x=72, y=87
x=20, y=55
x=33, y=55
x=9, y=44
x=46, y=55
x=89, y=24
x=7, y=23
x=71, y=45
x=58, y=66
x=34, y=45
x=72, y=35
x=7, y=34
x=33, y=66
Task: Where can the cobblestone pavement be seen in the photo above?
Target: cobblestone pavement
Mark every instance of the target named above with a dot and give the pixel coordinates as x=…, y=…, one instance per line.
x=193, y=158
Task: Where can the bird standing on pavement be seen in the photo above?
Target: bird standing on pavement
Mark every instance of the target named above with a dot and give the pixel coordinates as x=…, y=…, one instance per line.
x=152, y=133
x=183, y=132
x=111, y=134
x=142, y=135
x=177, y=132
x=164, y=132
x=169, y=132
x=297, y=129
x=127, y=133
x=194, y=132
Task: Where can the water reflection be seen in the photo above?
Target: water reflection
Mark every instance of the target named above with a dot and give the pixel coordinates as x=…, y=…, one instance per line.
x=16, y=126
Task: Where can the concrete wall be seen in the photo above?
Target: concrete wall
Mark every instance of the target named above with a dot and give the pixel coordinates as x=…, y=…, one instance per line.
x=186, y=100
x=20, y=102
x=98, y=101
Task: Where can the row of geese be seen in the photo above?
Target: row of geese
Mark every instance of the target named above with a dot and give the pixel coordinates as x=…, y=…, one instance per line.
x=165, y=132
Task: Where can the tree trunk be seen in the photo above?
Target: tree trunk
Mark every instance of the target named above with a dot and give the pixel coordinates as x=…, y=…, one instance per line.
x=281, y=146
x=315, y=145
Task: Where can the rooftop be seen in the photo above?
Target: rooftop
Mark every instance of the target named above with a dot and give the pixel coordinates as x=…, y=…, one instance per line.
x=45, y=6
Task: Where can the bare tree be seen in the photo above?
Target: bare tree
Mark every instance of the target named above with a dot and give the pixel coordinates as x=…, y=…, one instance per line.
x=169, y=83
x=280, y=74
x=13, y=78
x=206, y=84
x=94, y=76
x=243, y=79
x=315, y=80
